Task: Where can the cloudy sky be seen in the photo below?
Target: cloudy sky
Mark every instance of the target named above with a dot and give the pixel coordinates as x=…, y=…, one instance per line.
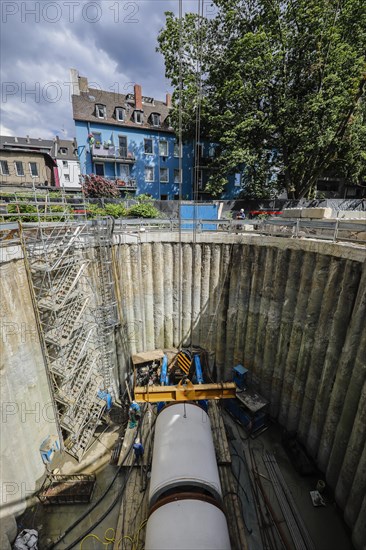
x=111, y=42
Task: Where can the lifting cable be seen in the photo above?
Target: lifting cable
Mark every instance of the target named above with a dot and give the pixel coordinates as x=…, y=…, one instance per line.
x=197, y=156
x=180, y=152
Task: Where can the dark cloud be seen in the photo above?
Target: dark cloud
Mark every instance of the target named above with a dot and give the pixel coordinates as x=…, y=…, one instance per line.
x=42, y=40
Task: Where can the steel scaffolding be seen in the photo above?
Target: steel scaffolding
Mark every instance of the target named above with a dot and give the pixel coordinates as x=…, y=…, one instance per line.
x=71, y=278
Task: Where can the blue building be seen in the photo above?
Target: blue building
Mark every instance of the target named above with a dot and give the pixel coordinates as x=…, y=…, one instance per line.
x=129, y=139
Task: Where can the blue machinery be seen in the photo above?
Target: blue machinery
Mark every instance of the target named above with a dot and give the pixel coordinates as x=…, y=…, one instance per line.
x=250, y=408
x=185, y=390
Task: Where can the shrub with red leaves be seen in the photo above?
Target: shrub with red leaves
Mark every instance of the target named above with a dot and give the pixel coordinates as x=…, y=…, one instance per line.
x=97, y=186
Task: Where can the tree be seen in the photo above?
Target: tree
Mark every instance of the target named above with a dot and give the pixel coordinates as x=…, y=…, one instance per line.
x=283, y=89
x=96, y=187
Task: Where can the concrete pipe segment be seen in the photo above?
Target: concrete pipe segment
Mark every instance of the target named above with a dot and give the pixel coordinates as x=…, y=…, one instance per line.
x=184, y=455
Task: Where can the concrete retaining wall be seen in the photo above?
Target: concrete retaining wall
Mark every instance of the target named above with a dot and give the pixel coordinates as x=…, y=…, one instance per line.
x=27, y=413
x=293, y=312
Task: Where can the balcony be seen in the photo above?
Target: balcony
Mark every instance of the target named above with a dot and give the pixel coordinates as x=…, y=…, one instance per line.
x=111, y=153
x=129, y=184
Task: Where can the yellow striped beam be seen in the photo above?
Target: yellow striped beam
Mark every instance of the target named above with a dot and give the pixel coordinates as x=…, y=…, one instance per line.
x=184, y=392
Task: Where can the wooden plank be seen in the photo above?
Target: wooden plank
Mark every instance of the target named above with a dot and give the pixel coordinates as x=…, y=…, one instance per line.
x=232, y=508
x=219, y=434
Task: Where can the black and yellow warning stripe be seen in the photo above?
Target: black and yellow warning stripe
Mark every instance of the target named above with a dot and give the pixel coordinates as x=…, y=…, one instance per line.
x=184, y=362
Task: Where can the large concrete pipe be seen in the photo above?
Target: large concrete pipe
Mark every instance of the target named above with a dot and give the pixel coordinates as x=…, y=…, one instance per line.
x=179, y=523
x=184, y=455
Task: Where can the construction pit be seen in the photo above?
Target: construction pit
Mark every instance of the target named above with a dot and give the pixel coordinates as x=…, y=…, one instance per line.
x=78, y=301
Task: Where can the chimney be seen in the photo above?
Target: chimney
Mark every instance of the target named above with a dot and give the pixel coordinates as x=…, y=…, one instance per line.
x=83, y=84
x=138, y=97
x=27, y=139
x=74, y=77
x=168, y=100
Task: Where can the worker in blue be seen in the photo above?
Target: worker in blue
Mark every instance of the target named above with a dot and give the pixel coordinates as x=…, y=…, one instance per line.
x=241, y=215
x=134, y=414
x=138, y=450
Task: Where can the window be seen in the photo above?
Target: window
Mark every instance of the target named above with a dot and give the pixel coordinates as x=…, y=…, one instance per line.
x=148, y=146
x=200, y=179
x=124, y=172
x=163, y=148
x=98, y=139
x=99, y=169
x=19, y=170
x=200, y=150
x=139, y=116
x=33, y=169
x=237, y=181
x=101, y=111
x=164, y=175
x=122, y=144
x=177, y=149
x=164, y=197
x=63, y=150
x=67, y=177
x=65, y=164
x=4, y=167
x=177, y=175
x=120, y=114
x=149, y=173
x=155, y=119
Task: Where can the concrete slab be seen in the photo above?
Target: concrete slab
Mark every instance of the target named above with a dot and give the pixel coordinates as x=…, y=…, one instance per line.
x=316, y=213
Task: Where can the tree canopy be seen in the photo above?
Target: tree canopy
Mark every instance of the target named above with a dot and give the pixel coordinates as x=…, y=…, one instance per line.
x=282, y=90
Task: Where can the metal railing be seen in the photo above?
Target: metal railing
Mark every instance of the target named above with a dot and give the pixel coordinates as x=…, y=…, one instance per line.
x=113, y=152
x=329, y=230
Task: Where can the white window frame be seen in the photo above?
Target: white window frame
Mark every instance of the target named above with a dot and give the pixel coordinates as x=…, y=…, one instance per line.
x=179, y=175
x=178, y=149
x=16, y=168
x=237, y=179
x=5, y=164
x=31, y=171
x=152, y=171
x=136, y=113
x=65, y=164
x=67, y=177
x=120, y=111
x=152, y=146
x=156, y=120
x=101, y=109
x=161, y=142
x=167, y=172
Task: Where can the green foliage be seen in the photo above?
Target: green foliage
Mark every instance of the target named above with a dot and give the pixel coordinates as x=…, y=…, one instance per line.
x=115, y=210
x=283, y=90
x=144, y=210
x=94, y=210
x=144, y=197
x=21, y=212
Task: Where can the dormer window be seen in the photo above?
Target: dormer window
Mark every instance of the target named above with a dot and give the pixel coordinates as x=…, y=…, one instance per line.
x=101, y=111
x=155, y=119
x=139, y=117
x=63, y=150
x=120, y=114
